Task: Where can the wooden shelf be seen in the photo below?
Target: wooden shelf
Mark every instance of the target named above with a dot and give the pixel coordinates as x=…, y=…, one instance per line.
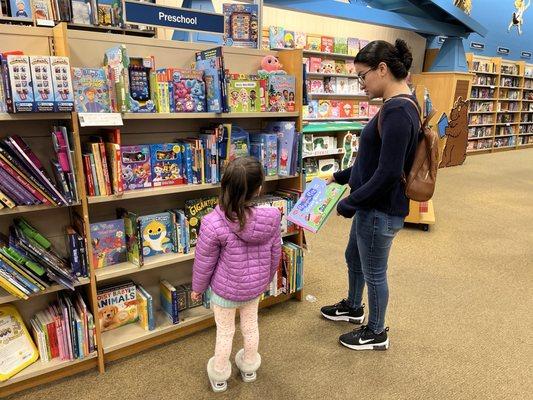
x=14, y=20
x=511, y=87
x=525, y=134
x=111, y=29
x=506, y=123
x=330, y=55
x=207, y=115
x=33, y=116
x=526, y=123
x=485, y=86
x=29, y=209
x=482, y=72
x=481, y=138
x=325, y=75
x=514, y=76
x=481, y=99
x=40, y=368
x=480, y=125
x=5, y=297
x=339, y=96
x=481, y=112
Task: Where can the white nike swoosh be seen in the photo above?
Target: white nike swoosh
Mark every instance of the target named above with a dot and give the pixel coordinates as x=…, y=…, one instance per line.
x=341, y=313
x=365, y=341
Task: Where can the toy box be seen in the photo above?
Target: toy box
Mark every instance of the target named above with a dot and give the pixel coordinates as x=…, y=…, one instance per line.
x=41, y=78
x=240, y=25
x=187, y=90
x=136, y=167
x=22, y=99
x=141, y=89
x=167, y=164
x=62, y=84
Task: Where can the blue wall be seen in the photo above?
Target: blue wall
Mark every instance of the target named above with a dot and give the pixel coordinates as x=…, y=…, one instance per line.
x=496, y=15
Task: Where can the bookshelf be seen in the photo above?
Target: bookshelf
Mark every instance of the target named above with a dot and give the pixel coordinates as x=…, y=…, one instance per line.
x=499, y=115
x=86, y=48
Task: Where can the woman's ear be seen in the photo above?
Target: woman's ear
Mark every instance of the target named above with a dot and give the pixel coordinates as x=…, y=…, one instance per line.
x=382, y=69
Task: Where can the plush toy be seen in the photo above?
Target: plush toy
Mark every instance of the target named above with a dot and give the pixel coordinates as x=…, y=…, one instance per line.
x=270, y=65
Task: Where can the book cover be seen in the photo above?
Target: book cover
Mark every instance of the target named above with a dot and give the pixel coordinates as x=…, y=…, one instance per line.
x=340, y=45
x=110, y=13
x=316, y=204
x=346, y=108
x=352, y=46
x=157, y=233
x=330, y=84
x=194, y=211
x=169, y=301
x=315, y=64
x=326, y=44
x=61, y=84
x=281, y=89
x=343, y=86
x=277, y=37
x=188, y=90
x=245, y=93
x=81, y=12
x=314, y=42
x=240, y=25
x=212, y=63
x=108, y=242
x=167, y=165
x=300, y=40
x=288, y=39
x=350, y=68
x=324, y=109
x=335, y=109
x=340, y=67
x=316, y=85
x=117, y=305
x=285, y=130
x=21, y=9
x=91, y=92
x=136, y=167
x=142, y=309
x=42, y=10
x=363, y=108
x=20, y=96
x=312, y=109
x=149, y=306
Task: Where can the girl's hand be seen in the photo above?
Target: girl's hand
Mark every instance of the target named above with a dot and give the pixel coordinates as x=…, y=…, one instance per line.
x=196, y=296
x=329, y=180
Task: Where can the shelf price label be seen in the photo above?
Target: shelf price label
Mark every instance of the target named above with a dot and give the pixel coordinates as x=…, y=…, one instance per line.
x=100, y=119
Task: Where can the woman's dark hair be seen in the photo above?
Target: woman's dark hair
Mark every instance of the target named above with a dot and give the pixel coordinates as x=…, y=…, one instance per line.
x=398, y=57
x=242, y=177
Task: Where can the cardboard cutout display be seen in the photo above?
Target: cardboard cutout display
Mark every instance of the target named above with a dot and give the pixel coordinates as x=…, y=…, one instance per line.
x=456, y=135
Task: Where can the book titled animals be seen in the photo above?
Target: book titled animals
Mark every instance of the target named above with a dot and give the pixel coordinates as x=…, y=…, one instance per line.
x=316, y=204
x=117, y=305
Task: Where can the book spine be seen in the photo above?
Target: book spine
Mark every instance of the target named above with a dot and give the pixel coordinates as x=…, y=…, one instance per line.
x=31, y=287
x=175, y=307
x=88, y=174
x=118, y=166
x=10, y=286
x=98, y=163
x=6, y=200
x=83, y=255
x=16, y=189
x=66, y=325
x=95, y=176
x=23, y=182
x=90, y=332
x=105, y=168
x=81, y=336
x=7, y=86
x=61, y=180
x=75, y=262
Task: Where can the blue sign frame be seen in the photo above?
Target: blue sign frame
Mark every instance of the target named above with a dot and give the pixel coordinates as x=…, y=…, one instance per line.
x=172, y=17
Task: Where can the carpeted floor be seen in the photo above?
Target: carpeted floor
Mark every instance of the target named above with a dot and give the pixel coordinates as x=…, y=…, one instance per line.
x=460, y=312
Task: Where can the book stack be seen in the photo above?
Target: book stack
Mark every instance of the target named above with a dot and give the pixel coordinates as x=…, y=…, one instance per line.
x=145, y=307
x=25, y=181
x=65, y=329
x=175, y=299
x=102, y=165
x=29, y=264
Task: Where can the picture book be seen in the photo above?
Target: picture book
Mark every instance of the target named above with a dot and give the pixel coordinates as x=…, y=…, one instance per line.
x=340, y=45
x=286, y=132
x=281, y=89
x=211, y=62
x=315, y=64
x=345, y=109
x=277, y=37
x=168, y=298
x=326, y=44
x=312, y=109
x=136, y=167
x=327, y=166
x=246, y=93
x=363, y=108
x=108, y=242
x=343, y=86
x=352, y=46
x=62, y=84
x=316, y=85
x=241, y=25
x=117, y=305
x=353, y=86
x=21, y=9
x=288, y=39
x=110, y=13
x=328, y=66
x=20, y=97
x=330, y=84
x=91, y=92
x=194, y=211
x=314, y=43
x=373, y=109
x=82, y=12
x=335, y=109
x=157, y=232
x=316, y=204
x=42, y=83
x=42, y=10
x=167, y=164
x=349, y=68
x=264, y=147
x=340, y=67
x=300, y=40
x=188, y=90
x=363, y=43
x=324, y=108
x=131, y=235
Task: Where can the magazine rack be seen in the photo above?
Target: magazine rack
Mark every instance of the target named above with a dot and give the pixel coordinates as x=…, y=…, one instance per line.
x=86, y=49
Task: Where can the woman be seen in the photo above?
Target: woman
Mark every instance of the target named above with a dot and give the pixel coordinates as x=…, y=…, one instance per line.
x=377, y=198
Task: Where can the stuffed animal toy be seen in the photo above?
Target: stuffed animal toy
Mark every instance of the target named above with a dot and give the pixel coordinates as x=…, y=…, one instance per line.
x=270, y=65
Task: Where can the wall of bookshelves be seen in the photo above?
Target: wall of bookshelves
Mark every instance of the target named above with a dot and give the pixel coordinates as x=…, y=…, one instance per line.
x=87, y=49
x=501, y=109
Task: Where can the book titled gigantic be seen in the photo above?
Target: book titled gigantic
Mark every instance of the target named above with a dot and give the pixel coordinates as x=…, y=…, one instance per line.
x=315, y=204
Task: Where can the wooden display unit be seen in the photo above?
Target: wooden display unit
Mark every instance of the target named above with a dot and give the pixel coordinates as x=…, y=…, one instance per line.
x=86, y=49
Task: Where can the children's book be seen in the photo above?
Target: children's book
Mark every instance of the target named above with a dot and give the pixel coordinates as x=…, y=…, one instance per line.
x=281, y=89
x=212, y=63
x=136, y=167
x=82, y=12
x=324, y=108
x=277, y=36
x=188, y=90
x=157, y=233
x=117, y=305
x=363, y=108
x=167, y=164
x=108, y=242
x=288, y=39
x=264, y=147
x=286, y=132
x=300, y=40
x=316, y=86
x=42, y=10
x=240, y=25
x=327, y=44
x=363, y=43
x=194, y=211
x=168, y=297
x=246, y=93
x=353, y=46
x=21, y=9
x=315, y=64
x=340, y=67
x=328, y=66
x=314, y=43
x=312, y=109
x=340, y=45
x=316, y=204
x=110, y=13
x=91, y=92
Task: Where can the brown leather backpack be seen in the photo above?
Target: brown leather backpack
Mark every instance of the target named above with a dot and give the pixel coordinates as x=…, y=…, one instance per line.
x=420, y=183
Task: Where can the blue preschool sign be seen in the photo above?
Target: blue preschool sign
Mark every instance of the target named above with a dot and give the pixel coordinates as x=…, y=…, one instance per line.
x=173, y=17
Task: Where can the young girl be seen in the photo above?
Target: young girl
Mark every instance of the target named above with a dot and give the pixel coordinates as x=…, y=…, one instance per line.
x=237, y=255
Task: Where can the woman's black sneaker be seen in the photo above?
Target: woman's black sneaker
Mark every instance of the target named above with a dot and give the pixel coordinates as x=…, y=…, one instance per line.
x=364, y=339
x=341, y=312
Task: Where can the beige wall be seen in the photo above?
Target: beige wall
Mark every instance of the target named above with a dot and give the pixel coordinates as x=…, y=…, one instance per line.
x=309, y=23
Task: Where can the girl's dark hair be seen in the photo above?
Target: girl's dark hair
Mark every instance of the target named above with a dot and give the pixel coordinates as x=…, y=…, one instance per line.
x=398, y=57
x=242, y=177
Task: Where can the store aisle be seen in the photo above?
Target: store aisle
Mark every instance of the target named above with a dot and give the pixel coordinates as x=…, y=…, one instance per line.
x=459, y=316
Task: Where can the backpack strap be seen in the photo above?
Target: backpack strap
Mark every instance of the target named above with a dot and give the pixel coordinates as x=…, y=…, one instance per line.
x=418, y=111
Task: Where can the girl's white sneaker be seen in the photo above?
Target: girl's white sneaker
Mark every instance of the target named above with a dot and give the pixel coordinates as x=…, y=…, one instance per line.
x=248, y=370
x=219, y=381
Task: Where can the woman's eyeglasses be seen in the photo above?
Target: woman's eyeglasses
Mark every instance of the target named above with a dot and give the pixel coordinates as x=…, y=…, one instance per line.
x=361, y=77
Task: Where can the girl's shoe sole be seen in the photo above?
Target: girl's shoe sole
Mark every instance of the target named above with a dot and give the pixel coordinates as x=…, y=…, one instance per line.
x=352, y=320
x=377, y=346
